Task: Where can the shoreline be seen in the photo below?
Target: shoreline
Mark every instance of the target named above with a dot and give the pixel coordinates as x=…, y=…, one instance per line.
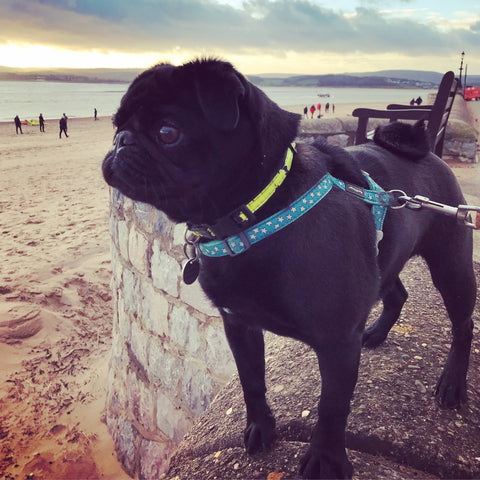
x=341, y=109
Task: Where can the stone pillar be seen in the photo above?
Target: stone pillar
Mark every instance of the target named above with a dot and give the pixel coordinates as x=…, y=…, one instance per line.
x=169, y=355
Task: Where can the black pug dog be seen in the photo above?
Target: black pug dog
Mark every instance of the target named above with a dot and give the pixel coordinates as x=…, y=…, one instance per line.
x=199, y=142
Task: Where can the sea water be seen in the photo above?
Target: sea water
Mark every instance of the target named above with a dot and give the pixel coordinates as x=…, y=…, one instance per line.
x=52, y=99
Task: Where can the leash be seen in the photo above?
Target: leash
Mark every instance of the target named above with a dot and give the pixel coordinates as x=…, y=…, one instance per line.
x=462, y=213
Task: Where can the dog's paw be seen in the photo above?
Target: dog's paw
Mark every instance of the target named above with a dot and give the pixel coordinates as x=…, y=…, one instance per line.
x=318, y=466
x=450, y=392
x=373, y=336
x=260, y=435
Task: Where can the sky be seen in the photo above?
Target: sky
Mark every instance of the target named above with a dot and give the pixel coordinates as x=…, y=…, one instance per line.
x=257, y=36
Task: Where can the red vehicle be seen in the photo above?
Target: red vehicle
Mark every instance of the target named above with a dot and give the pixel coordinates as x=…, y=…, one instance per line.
x=472, y=93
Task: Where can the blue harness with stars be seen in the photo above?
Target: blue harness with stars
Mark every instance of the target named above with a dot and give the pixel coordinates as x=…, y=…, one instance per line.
x=239, y=243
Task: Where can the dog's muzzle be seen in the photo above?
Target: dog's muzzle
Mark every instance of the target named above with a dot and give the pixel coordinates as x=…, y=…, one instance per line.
x=125, y=138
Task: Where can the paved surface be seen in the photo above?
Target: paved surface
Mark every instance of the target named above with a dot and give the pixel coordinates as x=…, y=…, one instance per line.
x=469, y=175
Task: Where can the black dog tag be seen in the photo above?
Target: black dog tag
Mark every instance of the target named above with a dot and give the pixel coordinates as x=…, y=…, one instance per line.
x=191, y=270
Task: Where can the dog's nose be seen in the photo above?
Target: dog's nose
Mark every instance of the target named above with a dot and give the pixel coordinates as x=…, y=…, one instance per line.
x=124, y=138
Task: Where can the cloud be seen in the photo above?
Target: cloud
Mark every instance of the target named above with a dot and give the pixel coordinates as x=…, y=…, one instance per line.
x=270, y=27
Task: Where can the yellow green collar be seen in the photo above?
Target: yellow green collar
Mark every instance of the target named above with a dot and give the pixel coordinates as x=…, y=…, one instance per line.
x=244, y=216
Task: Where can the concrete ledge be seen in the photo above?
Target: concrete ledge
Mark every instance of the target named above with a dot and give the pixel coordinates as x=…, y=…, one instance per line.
x=395, y=429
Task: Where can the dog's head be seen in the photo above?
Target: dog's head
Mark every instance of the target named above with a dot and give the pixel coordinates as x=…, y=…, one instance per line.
x=197, y=140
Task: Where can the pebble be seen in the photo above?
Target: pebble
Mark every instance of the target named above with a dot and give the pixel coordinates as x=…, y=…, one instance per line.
x=305, y=413
x=420, y=386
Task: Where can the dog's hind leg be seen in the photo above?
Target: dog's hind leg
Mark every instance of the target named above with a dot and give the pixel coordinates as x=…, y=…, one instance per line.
x=452, y=273
x=393, y=302
x=248, y=349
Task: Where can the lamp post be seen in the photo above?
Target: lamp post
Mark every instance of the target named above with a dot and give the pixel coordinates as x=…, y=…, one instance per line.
x=461, y=68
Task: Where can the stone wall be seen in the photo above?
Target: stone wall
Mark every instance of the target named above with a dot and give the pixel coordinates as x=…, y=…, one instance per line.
x=169, y=356
x=460, y=142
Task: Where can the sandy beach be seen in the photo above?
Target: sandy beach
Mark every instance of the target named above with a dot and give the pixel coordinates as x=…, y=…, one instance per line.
x=55, y=301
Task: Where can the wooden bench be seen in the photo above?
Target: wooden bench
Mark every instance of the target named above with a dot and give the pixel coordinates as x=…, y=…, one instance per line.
x=436, y=115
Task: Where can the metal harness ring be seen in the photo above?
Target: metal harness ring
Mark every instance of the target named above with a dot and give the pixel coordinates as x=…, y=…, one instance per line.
x=398, y=195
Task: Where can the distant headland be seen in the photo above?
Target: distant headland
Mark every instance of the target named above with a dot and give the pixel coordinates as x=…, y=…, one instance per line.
x=381, y=79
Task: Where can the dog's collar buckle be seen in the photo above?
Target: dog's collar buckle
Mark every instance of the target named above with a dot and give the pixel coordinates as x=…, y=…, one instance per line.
x=231, y=224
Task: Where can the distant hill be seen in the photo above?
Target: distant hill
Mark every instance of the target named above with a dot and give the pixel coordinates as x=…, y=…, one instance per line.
x=87, y=75
x=380, y=79
x=359, y=81
x=417, y=75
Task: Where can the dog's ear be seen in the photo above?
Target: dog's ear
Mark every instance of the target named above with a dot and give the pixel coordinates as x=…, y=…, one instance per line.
x=219, y=89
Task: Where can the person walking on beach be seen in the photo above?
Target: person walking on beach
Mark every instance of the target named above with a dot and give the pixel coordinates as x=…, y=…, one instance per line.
x=63, y=126
x=327, y=107
x=95, y=113
x=41, y=122
x=18, y=124
x=305, y=112
x=312, y=110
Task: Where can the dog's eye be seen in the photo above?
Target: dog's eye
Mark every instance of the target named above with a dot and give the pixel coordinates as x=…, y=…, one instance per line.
x=168, y=134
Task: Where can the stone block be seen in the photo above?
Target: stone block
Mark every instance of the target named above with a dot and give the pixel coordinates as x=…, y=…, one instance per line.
x=137, y=250
x=154, y=458
x=130, y=291
x=161, y=224
x=142, y=211
x=124, y=321
x=198, y=388
x=218, y=356
x=154, y=308
x=185, y=330
x=116, y=199
x=171, y=419
x=165, y=270
x=112, y=225
x=139, y=345
x=142, y=403
x=165, y=367
x=123, y=239
x=117, y=267
x=126, y=438
x=179, y=234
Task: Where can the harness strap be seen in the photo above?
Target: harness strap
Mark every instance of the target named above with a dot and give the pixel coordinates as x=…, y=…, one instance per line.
x=236, y=244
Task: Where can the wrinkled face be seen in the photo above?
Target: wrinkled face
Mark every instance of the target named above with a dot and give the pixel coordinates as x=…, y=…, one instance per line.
x=196, y=141
x=180, y=137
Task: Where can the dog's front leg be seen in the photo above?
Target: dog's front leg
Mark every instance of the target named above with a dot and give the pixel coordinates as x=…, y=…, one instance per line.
x=248, y=349
x=326, y=456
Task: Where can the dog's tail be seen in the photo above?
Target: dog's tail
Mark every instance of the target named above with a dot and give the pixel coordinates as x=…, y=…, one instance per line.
x=404, y=139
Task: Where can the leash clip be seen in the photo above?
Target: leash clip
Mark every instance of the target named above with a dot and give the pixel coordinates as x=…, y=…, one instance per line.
x=463, y=213
x=464, y=216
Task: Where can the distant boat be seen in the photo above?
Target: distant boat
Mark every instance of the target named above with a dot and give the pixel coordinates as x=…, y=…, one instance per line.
x=323, y=94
